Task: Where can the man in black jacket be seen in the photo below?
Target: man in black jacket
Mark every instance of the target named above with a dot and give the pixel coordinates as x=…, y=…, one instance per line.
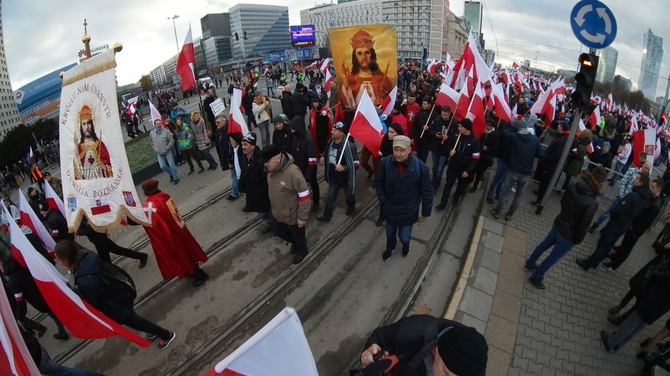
x=620, y=219
x=441, y=129
x=56, y=222
x=463, y=158
x=86, y=266
x=427, y=345
x=578, y=206
x=420, y=128
x=282, y=136
x=303, y=150
x=638, y=227
x=490, y=144
x=300, y=102
x=253, y=180
x=287, y=102
x=550, y=161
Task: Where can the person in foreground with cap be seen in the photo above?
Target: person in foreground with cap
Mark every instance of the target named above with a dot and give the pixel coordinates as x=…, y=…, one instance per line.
x=253, y=180
x=578, y=206
x=340, y=172
x=262, y=109
x=426, y=345
x=289, y=199
x=463, y=158
x=402, y=182
x=177, y=252
x=524, y=148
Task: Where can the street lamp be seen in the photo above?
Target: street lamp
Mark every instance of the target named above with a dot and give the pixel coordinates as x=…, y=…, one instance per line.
x=175, y=30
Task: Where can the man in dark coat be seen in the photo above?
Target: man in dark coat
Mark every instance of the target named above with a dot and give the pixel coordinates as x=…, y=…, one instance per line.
x=550, y=160
x=303, y=150
x=56, y=222
x=420, y=128
x=253, y=179
x=402, y=183
x=282, y=136
x=490, y=144
x=209, y=113
x=578, y=206
x=620, y=219
x=86, y=266
x=464, y=155
x=247, y=102
x=300, y=102
x=221, y=141
x=439, y=133
x=287, y=102
x=427, y=345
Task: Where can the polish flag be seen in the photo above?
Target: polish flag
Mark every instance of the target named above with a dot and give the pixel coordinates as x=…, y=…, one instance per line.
x=186, y=62
x=447, y=97
x=366, y=126
x=324, y=65
x=53, y=200
x=328, y=83
x=30, y=152
x=236, y=122
x=463, y=104
x=644, y=141
x=80, y=318
x=634, y=127
x=389, y=102
x=15, y=358
x=476, y=111
x=155, y=115
x=278, y=349
x=545, y=104
x=30, y=219
x=595, y=117
x=500, y=106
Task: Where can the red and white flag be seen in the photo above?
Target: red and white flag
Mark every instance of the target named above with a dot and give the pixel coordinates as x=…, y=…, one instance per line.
x=15, y=358
x=595, y=117
x=476, y=111
x=236, y=122
x=30, y=219
x=155, y=115
x=328, y=83
x=447, y=97
x=186, y=62
x=389, y=102
x=324, y=65
x=80, y=318
x=500, y=106
x=463, y=104
x=634, y=127
x=366, y=126
x=53, y=200
x=30, y=152
x=644, y=141
x=278, y=349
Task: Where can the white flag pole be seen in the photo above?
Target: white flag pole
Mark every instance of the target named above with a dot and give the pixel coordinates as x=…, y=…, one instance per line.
x=344, y=148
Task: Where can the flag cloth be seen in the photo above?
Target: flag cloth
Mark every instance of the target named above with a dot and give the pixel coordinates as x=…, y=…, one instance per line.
x=634, y=127
x=500, y=106
x=366, y=126
x=29, y=218
x=389, y=102
x=80, y=318
x=97, y=181
x=278, y=349
x=463, y=104
x=155, y=115
x=327, y=84
x=476, y=111
x=324, y=65
x=236, y=122
x=595, y=117
x=644, y=141
x=186, y=62
x=30, y=152
x=447, y=97
x=15, y=359
x=53, y=200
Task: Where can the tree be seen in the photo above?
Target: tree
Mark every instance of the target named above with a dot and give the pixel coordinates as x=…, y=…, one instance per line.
x=17, y=141
x=147, y=84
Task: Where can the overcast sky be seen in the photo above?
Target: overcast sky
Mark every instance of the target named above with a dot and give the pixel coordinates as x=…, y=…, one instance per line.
x=44, y=35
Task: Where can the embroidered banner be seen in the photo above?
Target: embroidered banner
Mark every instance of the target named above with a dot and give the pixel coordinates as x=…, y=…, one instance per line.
x=97, y=181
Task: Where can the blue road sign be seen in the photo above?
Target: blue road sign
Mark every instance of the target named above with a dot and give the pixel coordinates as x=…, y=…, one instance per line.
x=593, y=24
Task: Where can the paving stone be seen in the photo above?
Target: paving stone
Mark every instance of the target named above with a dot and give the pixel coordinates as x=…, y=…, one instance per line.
x=515, y=232
x=513, y=262
x=494, y=226
x=499, y=362
x=506, y=306
x=492, y=241
x=489, y=259
x=510, y=282
x=486, y=280
x=476, y=303
x=501, y=333
x=515, y=245
x=469, y=320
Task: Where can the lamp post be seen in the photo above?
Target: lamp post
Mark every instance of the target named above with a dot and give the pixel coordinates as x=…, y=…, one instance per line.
x=174, y=25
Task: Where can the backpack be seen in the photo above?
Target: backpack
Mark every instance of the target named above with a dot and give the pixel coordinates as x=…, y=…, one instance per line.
x=118, y=283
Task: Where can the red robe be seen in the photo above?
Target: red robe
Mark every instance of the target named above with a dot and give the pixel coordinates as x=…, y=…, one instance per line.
x=177, y=252
x=312, y=126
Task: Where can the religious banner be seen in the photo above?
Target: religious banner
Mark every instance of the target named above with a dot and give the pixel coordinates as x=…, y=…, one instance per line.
x=366, y=58
x=97, y=181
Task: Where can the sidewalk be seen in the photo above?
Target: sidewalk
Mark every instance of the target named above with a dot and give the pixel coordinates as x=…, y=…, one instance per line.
x=551, y=332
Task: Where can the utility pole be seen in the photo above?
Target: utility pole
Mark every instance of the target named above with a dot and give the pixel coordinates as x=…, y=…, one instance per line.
x=536, y=55
x=174, y=26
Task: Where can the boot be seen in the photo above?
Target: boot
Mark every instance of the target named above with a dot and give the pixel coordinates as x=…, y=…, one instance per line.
x=614, y=310
x=199, y=276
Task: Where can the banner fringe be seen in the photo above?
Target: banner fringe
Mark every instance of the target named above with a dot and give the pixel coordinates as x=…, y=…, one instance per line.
x=106, y=229
x=103, y=66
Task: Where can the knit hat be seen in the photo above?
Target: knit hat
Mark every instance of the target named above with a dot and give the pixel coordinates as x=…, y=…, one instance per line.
x=270, y=152
x=250, y=138
x=600, y=174
x=532, y=119
x=277, y=119
x=464, y=351
x=401, y=141
x=606, y=143
x=339, y=126
x=519, y=124
x=257, y=92
x=466, y=123
x=150, y=186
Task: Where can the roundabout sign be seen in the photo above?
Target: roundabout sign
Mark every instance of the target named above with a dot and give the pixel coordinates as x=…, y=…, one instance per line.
x=593, y=24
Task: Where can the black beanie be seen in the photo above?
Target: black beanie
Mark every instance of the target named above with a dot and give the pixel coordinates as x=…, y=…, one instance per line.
x=466, y=123
x=464, y=351
x=270, y=152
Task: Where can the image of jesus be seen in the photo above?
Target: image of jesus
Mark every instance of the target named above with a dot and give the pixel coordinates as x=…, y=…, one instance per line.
x=92, y=160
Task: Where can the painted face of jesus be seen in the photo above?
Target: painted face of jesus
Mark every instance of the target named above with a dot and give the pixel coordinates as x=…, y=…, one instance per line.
x=86, y=127
x=363, y=55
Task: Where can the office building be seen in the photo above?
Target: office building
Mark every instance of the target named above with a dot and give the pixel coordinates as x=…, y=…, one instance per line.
x=457, y=35
x=623, y=81
x=9, y=113
x=607, y=64
x=216, y=39
x=256, y=29
x=473, y=16
x=652, y=56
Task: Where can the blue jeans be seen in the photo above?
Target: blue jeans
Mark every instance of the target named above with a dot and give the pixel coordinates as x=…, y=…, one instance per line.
x=513, y=179
x=439, y=161
x=235, y=183
x=561, y=247
x=498, y=179
x=51, y=368
x=209, y=158
x=608, y=238
x=167, y=164
x=618, y=167
x=604, y=215
x=404, y=233
x=265, y=132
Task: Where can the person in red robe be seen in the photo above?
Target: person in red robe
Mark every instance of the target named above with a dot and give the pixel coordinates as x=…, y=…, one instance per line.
x=177, y=252
x=320, y=125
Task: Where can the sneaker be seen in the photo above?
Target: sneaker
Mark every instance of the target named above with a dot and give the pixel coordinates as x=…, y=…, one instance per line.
x=379, y=222
x=293, y=248
x=490, y=201
x=41, y=330
x=266, y=230
x=143, y=260
x=615, y=319
x=615, y=310
x=495, y=214
x=441, y=206
x=62, y=336
x=151, y=337
x=537, y=282
x=323, y=218
x=171, y=179
x=176, y=181
x=604, y=337
x=529, y=268
x=201, y=170
x=387, y=254
x=213, y=167
x=583, y=264
x=508, y=216
x=163, y=344
x=297, y=259
x=405, y=250
x=350, y=212
x=231, y=198
x=190, y=172
x=535, y=203
x=609, y=267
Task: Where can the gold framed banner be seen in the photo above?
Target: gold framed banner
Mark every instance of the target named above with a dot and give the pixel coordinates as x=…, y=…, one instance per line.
x=364, y=57
x=97, y=181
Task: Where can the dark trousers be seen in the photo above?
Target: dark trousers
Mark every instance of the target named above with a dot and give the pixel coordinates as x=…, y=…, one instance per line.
x=251, y=119
x=422, y=151
x=333, y=190
x=626, y=247
x=607, y=240
x=104, y=246
x=544, y=180
x=294, y=235
x=314, y=185
x=138, y=322
x=189, y=154
x=482, y=166
x=454, y=177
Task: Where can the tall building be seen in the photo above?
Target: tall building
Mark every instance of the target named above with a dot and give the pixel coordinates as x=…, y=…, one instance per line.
x=652, y=55
x=256, y=29
x=625, y=82
x=9, y=113
x=216, y=41
x=607, y=64
x=457, y=35
x=473, y=16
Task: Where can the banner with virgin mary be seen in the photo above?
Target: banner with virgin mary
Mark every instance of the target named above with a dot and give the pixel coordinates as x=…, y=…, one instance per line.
x=97, y=181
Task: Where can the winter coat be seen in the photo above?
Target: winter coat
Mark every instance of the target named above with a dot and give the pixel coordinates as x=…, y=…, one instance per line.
x=400, y=194
x=524, y=148
x=554, y=150
x=576, y=157
x=657, y=303
x=628, y=208
x=300, y=104
x=600, y=158
x=492, y=142
x=289, y=192
x=259, y=111
x=422, y=118
x=578, y=207
x=199, y=129
x=287, y=104
x=303, y=148
x=349, y=161
x=253, y=181
x=282, y=138
x=222, y=146
x=161, y=141
x=467, y=153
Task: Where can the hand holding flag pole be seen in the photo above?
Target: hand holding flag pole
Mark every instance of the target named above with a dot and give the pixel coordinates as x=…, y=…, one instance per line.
x=429, y=115
x=456, y=143
x=448, y=128
x=344, y=149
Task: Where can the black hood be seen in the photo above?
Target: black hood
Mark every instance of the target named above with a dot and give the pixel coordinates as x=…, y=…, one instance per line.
x=86, y=264
x=298, y=124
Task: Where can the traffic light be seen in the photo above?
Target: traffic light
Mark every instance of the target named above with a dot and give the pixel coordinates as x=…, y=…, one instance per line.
x=588, y=66
x=237, y=37
x=245, y=35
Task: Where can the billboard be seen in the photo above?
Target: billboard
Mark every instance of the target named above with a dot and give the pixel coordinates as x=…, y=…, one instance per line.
x=302, y=35
x=40, y=93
